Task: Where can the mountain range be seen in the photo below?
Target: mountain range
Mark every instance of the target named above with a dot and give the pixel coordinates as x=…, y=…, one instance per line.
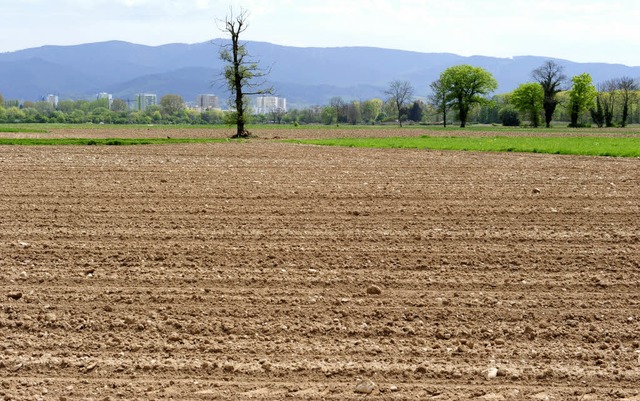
x=305, y=76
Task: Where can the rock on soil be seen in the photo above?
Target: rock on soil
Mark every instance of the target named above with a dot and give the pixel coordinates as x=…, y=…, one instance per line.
x=365, y=387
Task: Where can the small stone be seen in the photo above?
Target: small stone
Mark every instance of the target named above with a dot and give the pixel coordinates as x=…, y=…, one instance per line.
x=374, y=290
x=15, y=295
x=530, y=333
x=365, y=387
x=421, y=370
x=229, y=368
x=24, y=244
x=24, y=275
x=393, y=389
x=50, y=317
x=175, y=337
x=535, y=191
x=492, y=373
x=90, y=367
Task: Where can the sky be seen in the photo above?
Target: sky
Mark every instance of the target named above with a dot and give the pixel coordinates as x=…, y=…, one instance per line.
x=578, y=30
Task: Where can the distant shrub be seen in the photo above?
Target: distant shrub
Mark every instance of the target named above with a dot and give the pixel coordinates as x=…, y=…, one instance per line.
x=509, y=117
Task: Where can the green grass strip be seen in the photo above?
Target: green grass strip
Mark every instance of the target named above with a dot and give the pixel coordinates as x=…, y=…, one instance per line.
x=587, y=146
x=103, y=141
x=23, y=130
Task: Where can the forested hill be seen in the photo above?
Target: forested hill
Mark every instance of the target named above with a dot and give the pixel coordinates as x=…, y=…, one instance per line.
x=305, y=76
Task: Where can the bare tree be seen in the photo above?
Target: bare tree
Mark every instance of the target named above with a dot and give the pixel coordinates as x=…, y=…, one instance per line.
x=438, y=99
x=400, y=93
x=551, y=76
x=340, y=106
x=277, y=114
x=242, y=75
x=627, y=87
x=607, y=98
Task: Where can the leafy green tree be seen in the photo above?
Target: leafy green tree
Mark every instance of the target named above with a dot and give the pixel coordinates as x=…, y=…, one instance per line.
x=597, y=114
x=528, y=98
x=416, y=112
x=171, y=105
x=58, y=117
x=99, y=103
x=119, y=105
x=509, y=116
x=370, y=109
x=3, y=115
x=15, y=115
x=328, y=115
x=77, y=117
x=400, y=94
x=1, y=101
x=243, y=76
x=465, y=87
x=44, y=108
x=212, y=116
x=100, y=115
x=438, y=99
x=550, y=76
x=581, y=97
x=489, y=112
x=33, y=115
x=67, y=106
x=156, y=116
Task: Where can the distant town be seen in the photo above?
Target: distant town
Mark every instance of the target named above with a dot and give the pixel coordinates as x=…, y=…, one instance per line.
x=204, y=102
x=142, y=108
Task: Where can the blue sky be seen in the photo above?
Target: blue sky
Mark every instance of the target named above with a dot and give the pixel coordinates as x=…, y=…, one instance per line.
x=578, y=30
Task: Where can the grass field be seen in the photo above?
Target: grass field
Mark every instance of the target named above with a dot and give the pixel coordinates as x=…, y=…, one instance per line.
x=14, y=130
x=560, y=140
x=589, y=146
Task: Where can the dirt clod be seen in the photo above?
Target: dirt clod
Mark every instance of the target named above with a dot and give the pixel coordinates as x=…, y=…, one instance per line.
x=365, y=386
x=374, y=290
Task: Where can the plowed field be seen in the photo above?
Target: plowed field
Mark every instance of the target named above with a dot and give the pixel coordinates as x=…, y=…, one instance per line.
x=264, y=270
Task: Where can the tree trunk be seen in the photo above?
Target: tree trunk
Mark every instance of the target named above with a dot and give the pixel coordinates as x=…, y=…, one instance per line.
x=464, y=110
x=625, y=114
x=549, y=108
x=574, y=116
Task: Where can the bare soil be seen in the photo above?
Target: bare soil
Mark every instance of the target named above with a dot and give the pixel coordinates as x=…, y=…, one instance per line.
x=263, y=270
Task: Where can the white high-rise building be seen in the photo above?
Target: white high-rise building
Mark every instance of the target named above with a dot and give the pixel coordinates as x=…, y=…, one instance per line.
x=207, y=102
x=53, y=100
x=144, y=100
x=269, y=104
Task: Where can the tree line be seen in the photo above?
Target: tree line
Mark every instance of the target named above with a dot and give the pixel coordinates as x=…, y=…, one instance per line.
x=461, y=94
x=170, y=110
